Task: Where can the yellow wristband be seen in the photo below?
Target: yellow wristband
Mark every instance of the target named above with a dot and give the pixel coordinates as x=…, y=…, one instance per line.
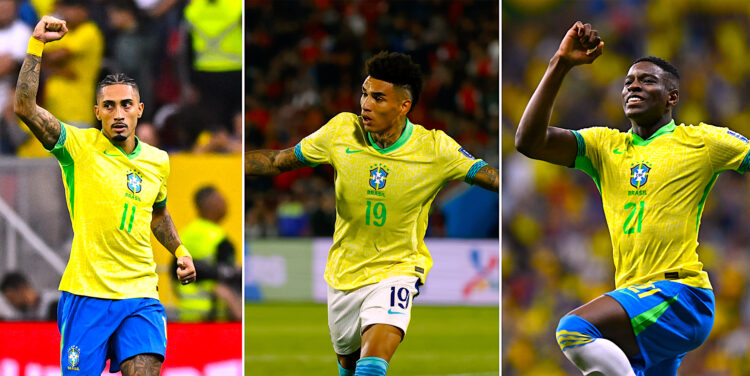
x=35, y=47
x=181, y=251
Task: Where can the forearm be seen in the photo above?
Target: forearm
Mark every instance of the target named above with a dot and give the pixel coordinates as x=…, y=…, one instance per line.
x=42, y=124
x=271, y=162
x=487, y=178
x=532, y=129
x=164, y=230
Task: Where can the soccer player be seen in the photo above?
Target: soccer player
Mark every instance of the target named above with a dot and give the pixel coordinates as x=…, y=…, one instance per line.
x=117, y=193
x=388, y=171
x=654, y=180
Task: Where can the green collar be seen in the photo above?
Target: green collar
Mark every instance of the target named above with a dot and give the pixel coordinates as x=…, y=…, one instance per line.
x=665, y=129
x=133, y=155
x=401, y=140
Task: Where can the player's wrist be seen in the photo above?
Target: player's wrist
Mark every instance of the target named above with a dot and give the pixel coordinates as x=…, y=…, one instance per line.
x=36, y=46
x=182, y=251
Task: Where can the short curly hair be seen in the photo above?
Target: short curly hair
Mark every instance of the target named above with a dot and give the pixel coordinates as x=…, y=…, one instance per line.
x=399, y=70
x=116, y=79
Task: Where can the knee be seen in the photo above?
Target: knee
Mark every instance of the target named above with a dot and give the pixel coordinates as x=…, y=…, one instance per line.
x=573, y=331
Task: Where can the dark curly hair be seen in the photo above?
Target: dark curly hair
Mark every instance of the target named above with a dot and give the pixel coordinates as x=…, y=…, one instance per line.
x=116, y=79
x=665, y=66
x=399, y=70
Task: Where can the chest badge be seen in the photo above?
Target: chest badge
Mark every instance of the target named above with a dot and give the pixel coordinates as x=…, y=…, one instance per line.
x=134, y=182
x=378, y=176
x=639, y=174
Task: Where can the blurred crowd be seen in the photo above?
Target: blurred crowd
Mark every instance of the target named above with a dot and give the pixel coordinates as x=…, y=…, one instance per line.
x=185, y=56
x=305, y=63
x=556, y=247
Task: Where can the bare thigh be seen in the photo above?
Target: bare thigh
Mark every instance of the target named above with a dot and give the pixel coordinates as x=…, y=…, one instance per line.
x=607, y=315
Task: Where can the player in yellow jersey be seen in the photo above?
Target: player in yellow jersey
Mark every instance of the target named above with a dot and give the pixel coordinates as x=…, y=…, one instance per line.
x=388, y=172
x=654, y=181
x=116, y=192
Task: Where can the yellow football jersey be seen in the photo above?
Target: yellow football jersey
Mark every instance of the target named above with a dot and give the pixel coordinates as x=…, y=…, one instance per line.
x=383, y=197
x=653, y=193
x=110, y=197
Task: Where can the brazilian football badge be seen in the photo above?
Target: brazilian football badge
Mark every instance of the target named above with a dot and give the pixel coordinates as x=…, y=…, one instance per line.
x=134, y=181
x=74, y=357
x=378, y=175
x=639, y=174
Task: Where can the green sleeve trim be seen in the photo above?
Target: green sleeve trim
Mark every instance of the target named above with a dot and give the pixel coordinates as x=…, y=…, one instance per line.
x=473, y=171
x=161, y=204
x=59, y=150
x=745, y=164
x=301, y=157
x=581, y=144
x=584, y=164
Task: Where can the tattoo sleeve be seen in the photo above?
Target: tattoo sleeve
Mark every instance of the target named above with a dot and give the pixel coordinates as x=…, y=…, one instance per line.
x=271, y=162
x=164, y=230
x=487, y=178
x=42, y=124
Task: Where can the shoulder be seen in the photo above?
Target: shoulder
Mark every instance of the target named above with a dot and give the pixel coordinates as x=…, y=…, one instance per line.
x=344, y=119
x=154, y=154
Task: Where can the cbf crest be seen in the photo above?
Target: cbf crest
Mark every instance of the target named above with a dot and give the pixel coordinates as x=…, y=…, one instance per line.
x=378, y=176
x=639, y=174
x=134, y=181
x=74, y=356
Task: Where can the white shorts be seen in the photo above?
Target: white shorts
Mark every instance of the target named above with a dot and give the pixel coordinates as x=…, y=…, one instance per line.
x=385, y=302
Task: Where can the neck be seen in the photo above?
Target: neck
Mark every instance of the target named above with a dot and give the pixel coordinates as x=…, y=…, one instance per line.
x=649, y=128
x=127, y=146
x=390, y=135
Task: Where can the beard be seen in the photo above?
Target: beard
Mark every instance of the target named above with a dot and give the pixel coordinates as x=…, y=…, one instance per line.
x=119, y=138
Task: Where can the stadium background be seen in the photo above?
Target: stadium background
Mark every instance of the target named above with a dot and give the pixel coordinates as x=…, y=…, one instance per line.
x=556, y=251
x=304, y=64
x=203, y=150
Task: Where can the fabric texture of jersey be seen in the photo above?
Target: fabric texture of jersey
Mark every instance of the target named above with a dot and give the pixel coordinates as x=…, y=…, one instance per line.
x=383, y=196
x=653, y=193
x=110, y=197
x=669, y=319
x=94, y=330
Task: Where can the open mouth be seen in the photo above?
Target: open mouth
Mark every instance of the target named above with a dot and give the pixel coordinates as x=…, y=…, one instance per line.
x=366, y=119
x=633, y=99
x=119, y=127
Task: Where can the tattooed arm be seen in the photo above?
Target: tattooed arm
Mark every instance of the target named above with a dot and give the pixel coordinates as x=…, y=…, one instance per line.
x=271, y=162
x=487, y=178
x=43, y=125
x=165, y=232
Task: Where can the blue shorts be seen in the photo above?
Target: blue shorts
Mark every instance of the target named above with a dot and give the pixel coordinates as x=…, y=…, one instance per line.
x=669, y=319
x=94, y=330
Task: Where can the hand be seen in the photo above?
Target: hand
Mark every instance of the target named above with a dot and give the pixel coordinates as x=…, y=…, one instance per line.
x=581, y=45
x=49, y=29
x=185, y=270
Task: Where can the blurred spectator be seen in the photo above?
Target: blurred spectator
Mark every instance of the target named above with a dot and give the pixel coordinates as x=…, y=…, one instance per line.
x=131, y=47
x=14, y=36
x=217, y=293
x=28, y=303
x=556, y=247
x=73, y=66
x=214, y=30
x=305, y=63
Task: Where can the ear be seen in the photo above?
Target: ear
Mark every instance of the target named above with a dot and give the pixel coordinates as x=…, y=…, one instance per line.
x=405, y=107
x=140, y=110
x=96, y=112
x=673, y=97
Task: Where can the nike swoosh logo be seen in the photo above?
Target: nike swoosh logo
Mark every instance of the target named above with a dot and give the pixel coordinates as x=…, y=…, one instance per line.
x=391, y=312
x=617, y=151
x=349, y=151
